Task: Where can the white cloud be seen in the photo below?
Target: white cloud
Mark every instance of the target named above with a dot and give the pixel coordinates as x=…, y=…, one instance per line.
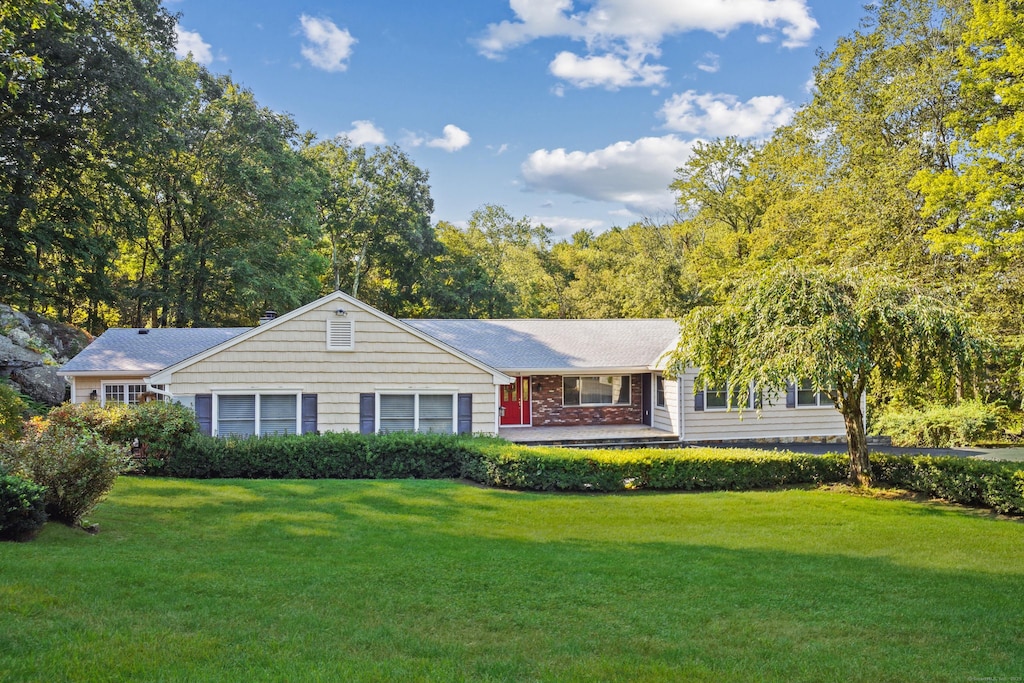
x=609, y=71
x=709, y=63
x=190, y=42
x=719, y=114
x=636, y=174
x=365, y=133
x=621, y=34
x=453, y=139
x=645, y=21
x=329, y=47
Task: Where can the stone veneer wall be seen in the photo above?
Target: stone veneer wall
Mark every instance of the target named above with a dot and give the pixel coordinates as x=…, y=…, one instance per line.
x=548, y=411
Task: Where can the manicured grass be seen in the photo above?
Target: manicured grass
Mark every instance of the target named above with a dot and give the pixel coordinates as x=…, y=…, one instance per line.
x=436, y=580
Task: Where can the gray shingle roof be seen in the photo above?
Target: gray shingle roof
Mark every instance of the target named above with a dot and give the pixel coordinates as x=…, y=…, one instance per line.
x=536, y=344
x=125, y=350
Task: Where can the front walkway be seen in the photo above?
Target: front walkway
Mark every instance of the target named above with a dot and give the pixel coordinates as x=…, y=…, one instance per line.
x=587, y=435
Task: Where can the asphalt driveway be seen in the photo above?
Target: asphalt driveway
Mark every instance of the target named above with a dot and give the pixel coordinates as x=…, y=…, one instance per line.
x=1014, y=454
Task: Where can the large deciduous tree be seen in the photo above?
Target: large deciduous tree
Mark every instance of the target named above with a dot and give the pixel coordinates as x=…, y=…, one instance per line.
x=78, y=98
x=834, y=330
x=374, y=214
x=225, y=211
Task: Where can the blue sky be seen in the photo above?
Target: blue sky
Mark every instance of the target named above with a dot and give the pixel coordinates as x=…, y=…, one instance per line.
x=572, y=113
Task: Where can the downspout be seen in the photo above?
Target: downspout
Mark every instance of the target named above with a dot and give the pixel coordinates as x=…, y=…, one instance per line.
x=159, y=392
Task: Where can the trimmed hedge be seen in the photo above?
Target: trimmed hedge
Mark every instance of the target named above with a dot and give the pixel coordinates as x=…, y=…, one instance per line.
x=333, y=455
x=494, y=462
x=979, y=483
x=689, y=469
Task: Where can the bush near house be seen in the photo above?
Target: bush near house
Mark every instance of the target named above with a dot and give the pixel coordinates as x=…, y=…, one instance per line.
x=22, y=507
x=941, y=426
x=77, y=467
x=333, y=455
x=689, y=469
x=155, y=429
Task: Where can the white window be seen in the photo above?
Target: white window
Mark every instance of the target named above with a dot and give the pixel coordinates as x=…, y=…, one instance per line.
x=341, y=335
x=659, y=391
x=252, y=414
x=130, y=393
x=806, y=396
x=608, y=390
x=416, y=412
x=718, y=398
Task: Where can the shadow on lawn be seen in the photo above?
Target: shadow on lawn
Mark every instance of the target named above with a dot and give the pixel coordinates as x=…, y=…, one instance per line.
x=430, y=580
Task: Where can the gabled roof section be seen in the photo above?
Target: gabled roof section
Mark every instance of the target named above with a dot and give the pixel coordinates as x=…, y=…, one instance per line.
x=164, y=375
x=143, y=351
x=542, y=345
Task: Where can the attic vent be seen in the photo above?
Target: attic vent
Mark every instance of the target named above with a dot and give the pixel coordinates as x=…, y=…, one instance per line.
x=341, y=335
x=144, y=331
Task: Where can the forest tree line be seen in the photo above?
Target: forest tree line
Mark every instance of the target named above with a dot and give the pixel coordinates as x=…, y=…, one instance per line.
x=142, y=189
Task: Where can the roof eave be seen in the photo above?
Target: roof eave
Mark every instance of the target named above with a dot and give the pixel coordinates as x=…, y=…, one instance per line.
x=104, y=373
x=618, y=370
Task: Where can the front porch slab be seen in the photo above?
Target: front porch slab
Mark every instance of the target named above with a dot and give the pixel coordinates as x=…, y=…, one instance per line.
x=591, y=436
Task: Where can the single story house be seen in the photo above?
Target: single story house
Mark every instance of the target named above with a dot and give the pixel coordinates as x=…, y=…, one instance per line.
x=338, y=364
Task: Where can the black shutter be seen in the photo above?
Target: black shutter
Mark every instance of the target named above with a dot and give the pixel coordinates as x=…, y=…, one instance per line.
x=465, y=414
x=204, y=413
x=367, y=413
x=309, y=413
x=790, y=395
x=698, y=401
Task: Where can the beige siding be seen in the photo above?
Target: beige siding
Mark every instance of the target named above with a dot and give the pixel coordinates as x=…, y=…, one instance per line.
x=774, y=422
x=293, y=355
x=86, y=385
x=667, y=417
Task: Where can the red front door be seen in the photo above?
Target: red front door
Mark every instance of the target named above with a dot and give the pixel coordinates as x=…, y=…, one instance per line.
x=515, y=402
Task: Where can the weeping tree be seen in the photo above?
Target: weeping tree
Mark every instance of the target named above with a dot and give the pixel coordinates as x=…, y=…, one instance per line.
x=834, y=330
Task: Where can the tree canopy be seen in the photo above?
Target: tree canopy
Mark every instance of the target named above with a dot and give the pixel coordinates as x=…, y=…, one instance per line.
x=834, y=330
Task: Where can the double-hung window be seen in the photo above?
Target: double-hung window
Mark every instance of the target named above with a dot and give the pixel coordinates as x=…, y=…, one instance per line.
x=416, y=412
x=606, y=390
x=130, y=393
x=806, y=396
x=718, y=398
x=257, y=414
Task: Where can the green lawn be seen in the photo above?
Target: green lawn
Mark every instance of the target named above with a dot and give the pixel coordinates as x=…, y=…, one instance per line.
x=436, y=580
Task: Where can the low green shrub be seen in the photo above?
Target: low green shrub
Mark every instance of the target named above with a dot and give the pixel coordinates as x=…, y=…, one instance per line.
x=22, y=507
x=77, y=467
x=980, y=483
x=939, y=426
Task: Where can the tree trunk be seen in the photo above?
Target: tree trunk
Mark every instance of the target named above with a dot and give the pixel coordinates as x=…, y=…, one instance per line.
x=856, y=437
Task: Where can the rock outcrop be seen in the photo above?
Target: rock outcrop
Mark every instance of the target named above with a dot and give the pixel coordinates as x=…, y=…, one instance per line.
x=32, y=349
